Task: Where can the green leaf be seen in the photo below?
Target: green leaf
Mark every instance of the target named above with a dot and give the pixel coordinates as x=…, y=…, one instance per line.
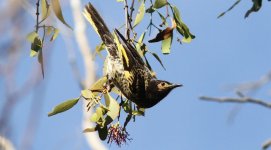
x=87, y=94
x=140, y=14
x=90, y=129
x=120, y=0
x=158, y=59
x=97, y=115
x=164, y=21
x=140, y=43
x=113, y=107
x=103, y=132
x=159, y=3
x=49, y=30
x=150, y=10
x=229, y=9
x=44, y=9
x=58, y=12
x=98, y=85
x=166, y=44
x=63, y=106
x=181, y=27
x=40, y=60
x=31, y=36
x=56, y=32
x=33, y=53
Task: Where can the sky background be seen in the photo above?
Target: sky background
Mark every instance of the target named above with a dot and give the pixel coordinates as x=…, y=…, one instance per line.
x=226, y=52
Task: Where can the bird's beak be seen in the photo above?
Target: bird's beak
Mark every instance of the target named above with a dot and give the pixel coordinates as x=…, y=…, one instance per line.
x=176, y=85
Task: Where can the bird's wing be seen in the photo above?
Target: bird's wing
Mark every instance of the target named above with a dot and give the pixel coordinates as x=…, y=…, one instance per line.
x=130, y=50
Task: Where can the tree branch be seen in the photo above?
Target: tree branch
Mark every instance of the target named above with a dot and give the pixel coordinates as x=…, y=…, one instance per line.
x=237, y=100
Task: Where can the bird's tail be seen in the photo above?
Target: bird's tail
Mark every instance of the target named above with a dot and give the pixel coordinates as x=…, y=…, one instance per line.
x=96, y=21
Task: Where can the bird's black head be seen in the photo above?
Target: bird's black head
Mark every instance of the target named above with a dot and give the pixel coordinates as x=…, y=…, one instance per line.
x=157, y=90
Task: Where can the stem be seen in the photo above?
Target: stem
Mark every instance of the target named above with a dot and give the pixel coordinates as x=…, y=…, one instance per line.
x=37, y=13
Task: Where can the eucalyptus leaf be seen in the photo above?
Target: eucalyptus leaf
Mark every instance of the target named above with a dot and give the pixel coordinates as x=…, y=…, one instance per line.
x=87, y=94
x=63, y=106
x=31, y=36
x=158, y=59
x=44, y=9
x=56, y=32
x=140, y=14
x=166, y=44
x=58, y=12
x=159, y=3
x=98, y=85
x=40, y=60
x=113, y=107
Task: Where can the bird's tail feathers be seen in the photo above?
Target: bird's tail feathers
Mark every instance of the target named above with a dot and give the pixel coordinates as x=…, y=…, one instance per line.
x=98, y=24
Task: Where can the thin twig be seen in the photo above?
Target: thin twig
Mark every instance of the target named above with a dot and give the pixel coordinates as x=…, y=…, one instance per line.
x=237, y=100
x=127, y=20
x=37, y=13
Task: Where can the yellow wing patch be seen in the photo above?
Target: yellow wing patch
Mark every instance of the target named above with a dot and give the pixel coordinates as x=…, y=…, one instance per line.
x=121, y=49
x=128, y=76
x=90, y=20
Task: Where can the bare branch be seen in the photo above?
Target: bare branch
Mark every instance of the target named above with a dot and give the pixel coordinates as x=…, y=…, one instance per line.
x=237, y=100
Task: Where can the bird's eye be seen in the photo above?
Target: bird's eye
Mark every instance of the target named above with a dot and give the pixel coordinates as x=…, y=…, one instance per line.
x=163, y=83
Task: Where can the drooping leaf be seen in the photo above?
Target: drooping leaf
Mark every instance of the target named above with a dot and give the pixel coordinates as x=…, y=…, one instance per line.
x=164, y=21
x=49, y=30
x=87, y=94
x=44, y=9
x=181, y=27
x=40, y=60
x=127, y=120
x=229, y=9
x=98, y=85
x=150, y=10
x=159, y=3
x=140, y=14
x=31, y=36
x=56, y=32
x=113, y=107
x=63, y=106
x=140, y=43
x=90, y=129
x=158, y=59
x=103, y=132
x=98, y=114
x=166, y=44
x=58, y=12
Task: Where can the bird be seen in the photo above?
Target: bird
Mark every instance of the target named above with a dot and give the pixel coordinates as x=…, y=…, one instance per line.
x=126, y=69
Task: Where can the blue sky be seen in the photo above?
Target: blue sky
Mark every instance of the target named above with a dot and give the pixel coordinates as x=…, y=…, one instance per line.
x=226, y=51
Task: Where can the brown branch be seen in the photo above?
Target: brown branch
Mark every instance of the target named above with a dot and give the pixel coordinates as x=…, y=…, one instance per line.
x=237, y=100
